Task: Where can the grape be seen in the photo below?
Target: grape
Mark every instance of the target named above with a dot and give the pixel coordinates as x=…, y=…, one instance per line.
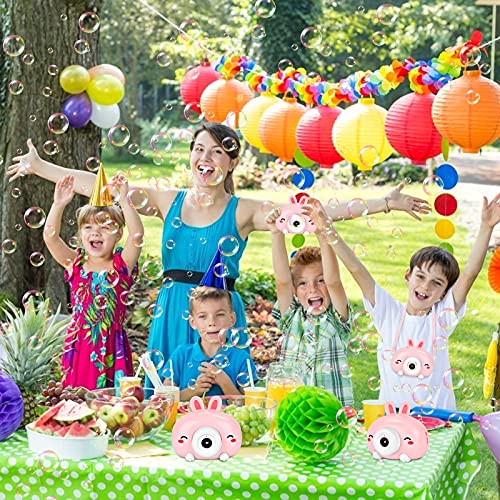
x=253, y=422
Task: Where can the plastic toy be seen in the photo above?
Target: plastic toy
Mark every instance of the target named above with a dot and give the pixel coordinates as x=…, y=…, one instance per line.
x=292, y=220
x=413, y=361
x=398, y=436
x=206, y=434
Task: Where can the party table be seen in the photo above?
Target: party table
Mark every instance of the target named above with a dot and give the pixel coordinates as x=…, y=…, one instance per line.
x=444, y=473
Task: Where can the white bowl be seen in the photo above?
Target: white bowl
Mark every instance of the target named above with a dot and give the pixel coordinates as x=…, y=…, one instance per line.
x=72, y=448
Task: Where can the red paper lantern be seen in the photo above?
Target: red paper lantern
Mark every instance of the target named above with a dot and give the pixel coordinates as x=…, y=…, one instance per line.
x=223, y=96
x=278, y=125
x=410, y=129
x=314, y=135
x=467, y=111
x=196, y=80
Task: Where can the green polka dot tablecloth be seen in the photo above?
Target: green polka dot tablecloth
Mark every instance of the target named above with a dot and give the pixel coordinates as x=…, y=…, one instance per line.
x=444, y=473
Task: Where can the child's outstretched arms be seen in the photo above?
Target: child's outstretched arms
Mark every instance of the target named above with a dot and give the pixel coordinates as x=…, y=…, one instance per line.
x=135, y=228
x=281, y=267
x=331, y=272
x=63, y=194
x=490, y=216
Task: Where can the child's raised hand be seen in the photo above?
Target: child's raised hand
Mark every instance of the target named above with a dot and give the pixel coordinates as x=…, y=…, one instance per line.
x=490, y=214
x=412, y=205
x=25, y=163
x=316, y=212
x=271, y=219
x=64, y=191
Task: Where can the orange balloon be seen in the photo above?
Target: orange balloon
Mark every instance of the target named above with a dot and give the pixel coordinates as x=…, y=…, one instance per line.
x=444, y=229
x=107, y=69
x=466, y=111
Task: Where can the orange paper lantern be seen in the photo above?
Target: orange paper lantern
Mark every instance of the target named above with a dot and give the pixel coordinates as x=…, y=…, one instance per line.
x=466, y=111
x=278, y=125
x=253, y=111
x=410, y=129
x=196, y=80
x=223, y=96
x=494, y=271
x=314, y=135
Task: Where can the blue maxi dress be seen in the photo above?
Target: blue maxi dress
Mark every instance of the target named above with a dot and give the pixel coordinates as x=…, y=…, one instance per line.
x=191, y=248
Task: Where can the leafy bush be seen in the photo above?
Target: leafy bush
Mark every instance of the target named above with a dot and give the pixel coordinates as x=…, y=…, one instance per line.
x=253, y=283
x=5, y=297
x=397, y=170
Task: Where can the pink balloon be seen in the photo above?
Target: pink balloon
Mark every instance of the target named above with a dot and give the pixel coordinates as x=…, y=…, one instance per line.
x=107, y=69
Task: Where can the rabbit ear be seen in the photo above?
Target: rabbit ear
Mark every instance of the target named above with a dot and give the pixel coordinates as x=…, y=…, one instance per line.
x=420, y=344
x=390, y=409
x=404, y=409
x=293, y=199
x=215, y=403
x=196, y=404
x=410, y=343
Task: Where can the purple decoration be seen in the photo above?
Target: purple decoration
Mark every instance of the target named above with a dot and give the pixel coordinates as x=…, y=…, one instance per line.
x=11, y=406
x=78, y=109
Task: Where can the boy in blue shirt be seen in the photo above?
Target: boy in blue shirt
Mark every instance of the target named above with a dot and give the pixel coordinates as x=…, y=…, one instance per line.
x=208, y=367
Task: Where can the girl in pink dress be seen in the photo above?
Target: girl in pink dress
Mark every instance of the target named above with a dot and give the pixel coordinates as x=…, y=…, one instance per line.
x=96, y=351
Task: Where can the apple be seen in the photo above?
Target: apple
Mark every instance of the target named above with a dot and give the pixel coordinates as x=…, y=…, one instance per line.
x=123, y=413
x=135, y=390
x=136, y=426
x=152, y=417
x=159, y=402
x=132, y=403
x=105, y=414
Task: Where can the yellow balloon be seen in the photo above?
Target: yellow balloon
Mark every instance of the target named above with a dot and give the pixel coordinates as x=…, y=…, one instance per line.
x=74, y=79
x=444, y=229
x=106, y=90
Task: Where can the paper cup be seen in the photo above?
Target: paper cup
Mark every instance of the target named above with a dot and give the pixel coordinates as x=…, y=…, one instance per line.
x=254, y=395
x=373, y=409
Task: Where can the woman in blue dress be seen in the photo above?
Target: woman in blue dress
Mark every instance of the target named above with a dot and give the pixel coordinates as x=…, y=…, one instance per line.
x=196, y=219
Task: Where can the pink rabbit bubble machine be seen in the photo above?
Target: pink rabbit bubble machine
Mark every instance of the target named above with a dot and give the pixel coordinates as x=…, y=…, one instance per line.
x=206, y=434
x=292, y=220
x=398, y=436
x=413, y=361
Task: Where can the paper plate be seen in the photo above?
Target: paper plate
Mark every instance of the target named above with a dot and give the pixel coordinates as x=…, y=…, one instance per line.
x=494, y=271
x=430, y=423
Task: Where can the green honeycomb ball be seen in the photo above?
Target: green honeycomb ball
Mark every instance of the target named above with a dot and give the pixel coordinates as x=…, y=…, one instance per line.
x=307, y=427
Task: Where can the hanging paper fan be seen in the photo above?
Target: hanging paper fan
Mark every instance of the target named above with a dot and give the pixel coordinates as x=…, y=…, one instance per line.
x=494, y=271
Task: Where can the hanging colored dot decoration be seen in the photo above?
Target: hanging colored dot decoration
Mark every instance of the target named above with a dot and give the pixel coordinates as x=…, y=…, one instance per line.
x=448, y=174
x=445, y=204
x=444, y=229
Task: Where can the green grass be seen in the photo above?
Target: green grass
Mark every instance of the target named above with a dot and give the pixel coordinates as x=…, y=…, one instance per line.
x=468, y=344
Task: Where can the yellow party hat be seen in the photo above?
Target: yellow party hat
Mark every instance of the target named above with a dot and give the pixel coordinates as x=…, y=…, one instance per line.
x=100, y=196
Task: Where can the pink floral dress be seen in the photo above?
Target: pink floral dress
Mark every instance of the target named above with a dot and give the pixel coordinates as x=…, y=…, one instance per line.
x=96, y=351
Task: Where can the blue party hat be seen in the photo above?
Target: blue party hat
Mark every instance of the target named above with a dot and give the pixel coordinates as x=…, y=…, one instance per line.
x=210, y=278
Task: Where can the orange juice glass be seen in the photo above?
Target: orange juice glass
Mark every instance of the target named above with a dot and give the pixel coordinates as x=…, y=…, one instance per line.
x=175, y=392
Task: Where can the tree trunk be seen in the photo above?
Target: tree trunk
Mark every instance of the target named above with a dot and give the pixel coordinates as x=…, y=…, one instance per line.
x=49, y=29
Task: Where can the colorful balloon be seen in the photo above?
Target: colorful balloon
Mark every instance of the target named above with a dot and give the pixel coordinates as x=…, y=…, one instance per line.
x=78, y=109
x=105, y=116
x=74, y=79
x=107, y=69
x=106, y=90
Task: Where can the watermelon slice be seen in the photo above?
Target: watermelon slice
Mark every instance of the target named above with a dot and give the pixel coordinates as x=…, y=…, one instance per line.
x=45, y=417
x=76, y=429
x=62, y=431
x=71, y=412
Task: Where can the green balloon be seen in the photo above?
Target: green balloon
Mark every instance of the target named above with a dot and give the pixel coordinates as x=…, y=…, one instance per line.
x=302, y=159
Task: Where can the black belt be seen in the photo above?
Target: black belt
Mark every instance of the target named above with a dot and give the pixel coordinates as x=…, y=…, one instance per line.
x=193, y=277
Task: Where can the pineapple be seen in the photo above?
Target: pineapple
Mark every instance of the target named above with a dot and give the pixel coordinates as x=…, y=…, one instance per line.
x=31, y=341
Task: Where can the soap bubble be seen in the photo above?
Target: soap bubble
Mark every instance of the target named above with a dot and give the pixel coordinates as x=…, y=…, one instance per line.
x=378, y=38
x=34, y=217
x=387, y=13
x=89, y=22
x=421, y=394
x=448, y=318
x=124, y=438
x=16, y=87
x=58, y=123
x=362, y=321
x=228, y=245
x=161, y=142
x=311, y=37
x=432, y=185
x=265, y=8
x=50, y=148
x=9, y=246
x=37, y=259
x=13, y=45
x=81, y=46
x=119, y=135
x=163, y=59
x=453, y=378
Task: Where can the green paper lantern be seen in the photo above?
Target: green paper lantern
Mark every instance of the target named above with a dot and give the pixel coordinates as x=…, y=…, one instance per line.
x=307, y=426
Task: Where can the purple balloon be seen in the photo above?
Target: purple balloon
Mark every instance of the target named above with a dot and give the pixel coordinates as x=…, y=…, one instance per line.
x=78, y=109
x=490, y=427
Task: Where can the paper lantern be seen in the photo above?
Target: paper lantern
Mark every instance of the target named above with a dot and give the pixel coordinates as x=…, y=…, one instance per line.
x=314, y=137
x=278, y=125
x=494, y=271
x=466, y=111
x=222, y=96
x=196, y=80
x=410, y=130
x=359, y=135
x=253, y=111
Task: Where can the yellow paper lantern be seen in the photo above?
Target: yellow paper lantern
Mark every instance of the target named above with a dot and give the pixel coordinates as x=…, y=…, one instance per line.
x=253, y=111
x=359, y=134
x=278, y=125
x=467, y=111
x=223, y=96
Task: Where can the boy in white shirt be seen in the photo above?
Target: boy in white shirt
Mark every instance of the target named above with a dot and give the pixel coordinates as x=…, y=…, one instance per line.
x=413, y=364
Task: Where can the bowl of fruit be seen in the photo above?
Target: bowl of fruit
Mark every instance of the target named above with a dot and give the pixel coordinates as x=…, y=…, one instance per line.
x=254, y=419
x=139, y=414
